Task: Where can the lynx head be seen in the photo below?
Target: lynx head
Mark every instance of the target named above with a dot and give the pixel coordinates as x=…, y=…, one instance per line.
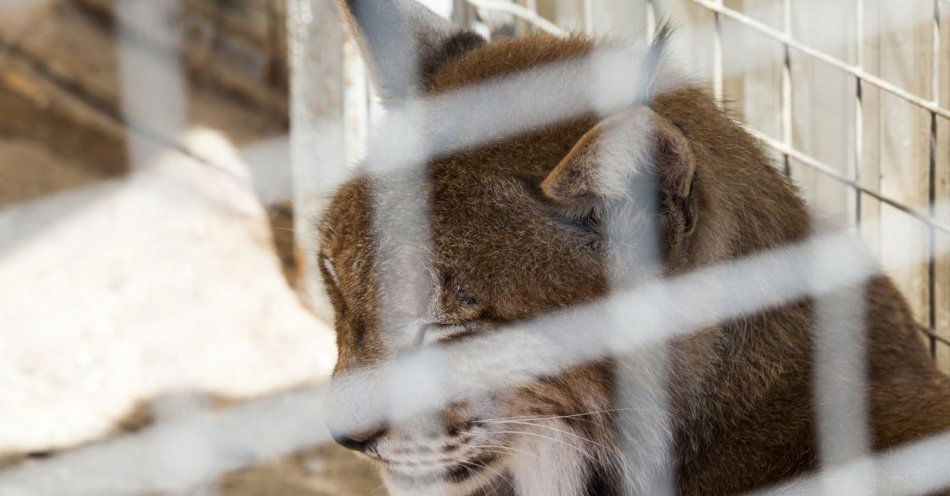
x=515, y=225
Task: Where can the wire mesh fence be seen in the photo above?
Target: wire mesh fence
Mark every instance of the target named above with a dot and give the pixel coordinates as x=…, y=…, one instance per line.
x=333, y=109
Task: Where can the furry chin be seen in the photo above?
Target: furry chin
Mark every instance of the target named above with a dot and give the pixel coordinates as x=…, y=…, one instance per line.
x=462, y=478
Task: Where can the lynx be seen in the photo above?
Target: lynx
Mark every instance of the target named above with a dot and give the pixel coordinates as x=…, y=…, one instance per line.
x=532, y=222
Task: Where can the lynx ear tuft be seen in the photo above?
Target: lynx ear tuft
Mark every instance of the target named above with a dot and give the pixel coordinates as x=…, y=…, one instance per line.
x=607, y=161
x=404, y=42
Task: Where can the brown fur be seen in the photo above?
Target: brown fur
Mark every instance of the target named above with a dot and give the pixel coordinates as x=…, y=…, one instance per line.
x=503, y=251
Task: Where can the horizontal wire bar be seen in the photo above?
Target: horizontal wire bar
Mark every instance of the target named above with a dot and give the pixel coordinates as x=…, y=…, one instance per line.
x=521, y=12
x=265, y=429
x=930, y=333
x=787, y=39
x=907, y=470
x=830, y=171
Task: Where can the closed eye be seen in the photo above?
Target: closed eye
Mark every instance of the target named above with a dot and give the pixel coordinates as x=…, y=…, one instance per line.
x=585, y=226
x=434, y=332
x=586, y=222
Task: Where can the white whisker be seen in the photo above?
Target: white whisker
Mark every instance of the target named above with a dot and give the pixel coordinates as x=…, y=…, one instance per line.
x=555, y=429
x=554, y=439
x=508, y=448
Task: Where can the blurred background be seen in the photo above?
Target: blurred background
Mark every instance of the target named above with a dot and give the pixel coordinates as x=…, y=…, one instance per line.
x=163, y=163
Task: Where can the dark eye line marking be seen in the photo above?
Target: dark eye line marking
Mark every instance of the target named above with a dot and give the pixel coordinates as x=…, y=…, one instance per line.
x=448, y=332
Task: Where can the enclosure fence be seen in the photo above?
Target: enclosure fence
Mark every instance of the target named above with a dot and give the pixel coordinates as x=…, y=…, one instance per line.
x=861, y=77
x=332, y=109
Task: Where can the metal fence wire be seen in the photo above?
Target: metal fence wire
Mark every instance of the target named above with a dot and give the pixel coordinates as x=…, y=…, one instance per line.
x=333, y=109
x=861, y=79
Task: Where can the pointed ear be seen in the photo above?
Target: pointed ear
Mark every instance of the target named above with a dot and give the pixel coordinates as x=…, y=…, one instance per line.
x=637, y=146
x=404, y=42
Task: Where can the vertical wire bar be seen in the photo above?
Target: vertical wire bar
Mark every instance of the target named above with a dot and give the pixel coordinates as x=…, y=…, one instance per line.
x=461, y=12
x=531, y=5
x=932, y=179
x=154, y=97
x=717, y=55
x=588, y=16
x=840, y=360
x=400, y=203
x=840, y=388
x=641, y=377
x=651, y=20
x=317, y=134
x=787, y=85
x=858, y=111
x=356, y=101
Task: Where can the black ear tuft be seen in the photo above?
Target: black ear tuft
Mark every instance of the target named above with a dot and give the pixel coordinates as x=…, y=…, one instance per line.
x=652, y=66
x=662, y=36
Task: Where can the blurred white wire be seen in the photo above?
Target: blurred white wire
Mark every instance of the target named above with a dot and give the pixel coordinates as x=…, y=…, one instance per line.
x=543, y=347
x=520, y=12
x=220, y=442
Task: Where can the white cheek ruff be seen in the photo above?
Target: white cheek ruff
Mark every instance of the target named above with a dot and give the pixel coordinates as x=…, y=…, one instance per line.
x=556, y=469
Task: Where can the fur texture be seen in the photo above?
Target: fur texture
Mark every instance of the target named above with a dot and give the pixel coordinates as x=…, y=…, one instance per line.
x=541, y=221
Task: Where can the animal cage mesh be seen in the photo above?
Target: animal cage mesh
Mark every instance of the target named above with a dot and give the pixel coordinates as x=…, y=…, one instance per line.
x=332, y=108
